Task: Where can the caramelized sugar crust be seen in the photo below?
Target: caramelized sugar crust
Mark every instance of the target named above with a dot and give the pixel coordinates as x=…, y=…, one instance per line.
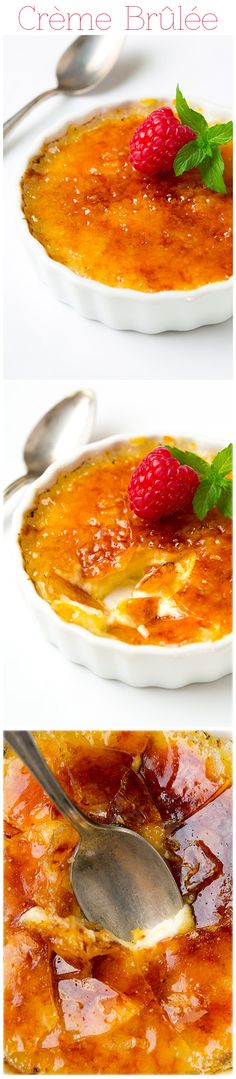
x=93, y=212
x=81, y=541
x=75, y=1001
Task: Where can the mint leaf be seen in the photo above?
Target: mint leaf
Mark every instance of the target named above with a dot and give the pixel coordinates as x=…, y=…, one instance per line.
x=185, y=457
x=213, y=493
x=205, y=498
x=189, y=157
x=214, y=489
x=203, y=152
x=211, y=171
x=225, y=499
x=188, y=116
x=223, y=462
x=220, y=134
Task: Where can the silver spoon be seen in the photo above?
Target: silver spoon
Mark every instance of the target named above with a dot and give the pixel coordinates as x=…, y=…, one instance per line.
x=81, y=67
x=58, y=434
x=119, y=880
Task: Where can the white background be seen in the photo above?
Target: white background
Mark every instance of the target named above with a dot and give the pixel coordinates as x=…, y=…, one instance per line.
x=42, y=688
x=43, y=338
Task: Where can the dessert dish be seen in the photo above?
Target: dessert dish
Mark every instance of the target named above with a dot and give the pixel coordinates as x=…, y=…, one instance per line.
x=115, y=237
x=76, y=1000
x=138, y=599
x=81, y=543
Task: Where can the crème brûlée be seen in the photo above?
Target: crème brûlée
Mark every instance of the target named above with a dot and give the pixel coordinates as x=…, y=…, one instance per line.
x=95, y=214
x=101, y=567
x=76, y=1000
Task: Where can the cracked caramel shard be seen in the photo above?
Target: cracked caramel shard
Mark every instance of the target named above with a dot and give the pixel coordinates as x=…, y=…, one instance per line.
x=67, y=935
x=201, y=858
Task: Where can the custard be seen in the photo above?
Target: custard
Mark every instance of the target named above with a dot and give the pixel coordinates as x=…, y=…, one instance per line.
x=101, y=567
x=95, y=214
x=75, y=1001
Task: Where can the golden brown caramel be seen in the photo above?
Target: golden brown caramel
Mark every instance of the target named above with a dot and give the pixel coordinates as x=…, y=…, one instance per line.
x=202, y=859
x=191, y=977
x=93, y=1005
x=80, y=542
x=93, y=212
x=180, y=778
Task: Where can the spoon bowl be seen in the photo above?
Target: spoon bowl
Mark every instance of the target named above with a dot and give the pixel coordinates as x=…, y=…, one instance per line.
x=85, y=64
x=119, y=880
x=66, y=426
x=60, y=432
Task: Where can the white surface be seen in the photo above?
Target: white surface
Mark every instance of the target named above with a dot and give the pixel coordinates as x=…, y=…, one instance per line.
x=43, y=338
x=42, y=687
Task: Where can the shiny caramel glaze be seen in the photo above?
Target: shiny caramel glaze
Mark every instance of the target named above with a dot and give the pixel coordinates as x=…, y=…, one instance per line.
x=80, y=541
x=95, y=1006
x=204, y=868
x=93, y=212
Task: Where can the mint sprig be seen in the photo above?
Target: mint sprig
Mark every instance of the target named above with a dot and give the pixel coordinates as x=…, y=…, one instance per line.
x=204, y=151
x=215, y=487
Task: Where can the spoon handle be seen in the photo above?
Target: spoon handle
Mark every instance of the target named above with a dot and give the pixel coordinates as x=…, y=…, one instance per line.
x=25, y=746
x=16, y=484
x=13, y=120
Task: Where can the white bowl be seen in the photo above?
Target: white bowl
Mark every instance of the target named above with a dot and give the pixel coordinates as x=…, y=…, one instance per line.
x=128, y=309
x=169, y=666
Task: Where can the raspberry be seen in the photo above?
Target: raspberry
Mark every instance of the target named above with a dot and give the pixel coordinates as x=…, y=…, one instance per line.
x=161, y=486
x=157, y=140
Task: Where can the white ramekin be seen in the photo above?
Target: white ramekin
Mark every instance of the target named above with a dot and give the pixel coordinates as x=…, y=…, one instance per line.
x=169, y=667
x=128, y=309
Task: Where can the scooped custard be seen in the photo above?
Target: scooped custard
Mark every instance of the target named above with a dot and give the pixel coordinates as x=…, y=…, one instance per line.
x=95, y=214
x=101, y=567
x=76, y=1000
